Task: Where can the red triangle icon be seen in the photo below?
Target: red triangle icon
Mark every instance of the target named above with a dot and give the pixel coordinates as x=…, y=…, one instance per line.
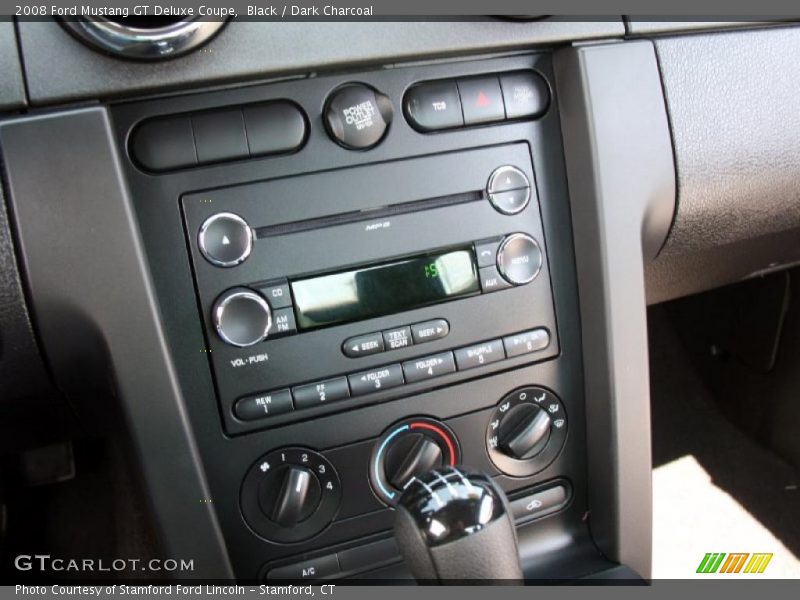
x=482, y=99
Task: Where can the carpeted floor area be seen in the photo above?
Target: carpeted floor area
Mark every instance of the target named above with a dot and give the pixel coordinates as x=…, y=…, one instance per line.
x=714, y=489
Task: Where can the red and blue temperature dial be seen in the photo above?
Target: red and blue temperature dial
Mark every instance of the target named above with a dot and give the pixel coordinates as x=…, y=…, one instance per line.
x=407, y=450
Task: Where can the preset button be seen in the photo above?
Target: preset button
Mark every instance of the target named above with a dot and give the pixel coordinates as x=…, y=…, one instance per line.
x=260, y=406
x=321, y=392
x=479, y=354
x=376, y=380
x=526, y=342
x=429, y=367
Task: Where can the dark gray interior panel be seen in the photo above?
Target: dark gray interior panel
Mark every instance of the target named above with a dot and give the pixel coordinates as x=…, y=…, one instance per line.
x=12, y=88
x=619, y=168
x=33, y=411
x=258, y=49
x=646, y=25
x=734, y=111
x=100, y=324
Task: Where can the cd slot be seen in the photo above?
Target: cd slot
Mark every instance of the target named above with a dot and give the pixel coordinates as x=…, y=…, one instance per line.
x=367, y=215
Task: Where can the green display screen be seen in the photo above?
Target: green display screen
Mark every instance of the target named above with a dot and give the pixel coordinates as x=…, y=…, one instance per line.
x=384, y=289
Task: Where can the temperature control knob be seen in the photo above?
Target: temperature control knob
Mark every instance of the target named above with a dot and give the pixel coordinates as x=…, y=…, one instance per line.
x=407, y=451
x=290, y=495
x=241, y=317
x=409, y=457
x=526, y=431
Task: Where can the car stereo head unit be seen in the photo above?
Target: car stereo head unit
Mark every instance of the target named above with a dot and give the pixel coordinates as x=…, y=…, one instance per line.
x=310, y=311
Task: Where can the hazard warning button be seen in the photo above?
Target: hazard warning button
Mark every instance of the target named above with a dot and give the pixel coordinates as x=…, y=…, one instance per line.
x=481, y=100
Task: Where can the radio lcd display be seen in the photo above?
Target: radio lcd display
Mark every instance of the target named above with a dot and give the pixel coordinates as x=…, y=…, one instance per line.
x=377, y=290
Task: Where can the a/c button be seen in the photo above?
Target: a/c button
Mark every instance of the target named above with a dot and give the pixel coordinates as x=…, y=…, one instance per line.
x=314, y=568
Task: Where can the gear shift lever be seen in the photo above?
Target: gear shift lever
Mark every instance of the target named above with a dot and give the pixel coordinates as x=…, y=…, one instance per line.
x=452, y=525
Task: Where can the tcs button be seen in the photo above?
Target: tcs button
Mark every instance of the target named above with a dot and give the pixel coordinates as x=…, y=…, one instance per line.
x=434, y=105
x=358, y=116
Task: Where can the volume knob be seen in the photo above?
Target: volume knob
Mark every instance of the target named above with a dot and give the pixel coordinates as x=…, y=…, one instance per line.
x=241, y=317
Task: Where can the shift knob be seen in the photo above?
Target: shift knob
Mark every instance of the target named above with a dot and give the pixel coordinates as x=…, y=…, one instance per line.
x=453, y=525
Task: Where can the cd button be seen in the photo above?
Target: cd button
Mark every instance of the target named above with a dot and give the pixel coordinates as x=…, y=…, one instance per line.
x=260, y=406
x=363, y=345
x=397, y=338
x=376, y=380
x=429, y=367
x=491, y=280
x=283, y=322
x=479, y=354
x=429, y=331
x=277, y=293
x=322, y=392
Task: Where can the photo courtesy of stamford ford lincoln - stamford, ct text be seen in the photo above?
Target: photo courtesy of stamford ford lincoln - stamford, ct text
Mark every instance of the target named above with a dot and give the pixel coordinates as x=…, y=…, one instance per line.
x=357, y=299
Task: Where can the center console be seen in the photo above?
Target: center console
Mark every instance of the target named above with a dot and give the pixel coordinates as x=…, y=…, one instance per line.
x=400, y=302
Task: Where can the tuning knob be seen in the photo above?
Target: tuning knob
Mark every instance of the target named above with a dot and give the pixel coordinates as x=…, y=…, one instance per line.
x=407, y=451
x=294, y=499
